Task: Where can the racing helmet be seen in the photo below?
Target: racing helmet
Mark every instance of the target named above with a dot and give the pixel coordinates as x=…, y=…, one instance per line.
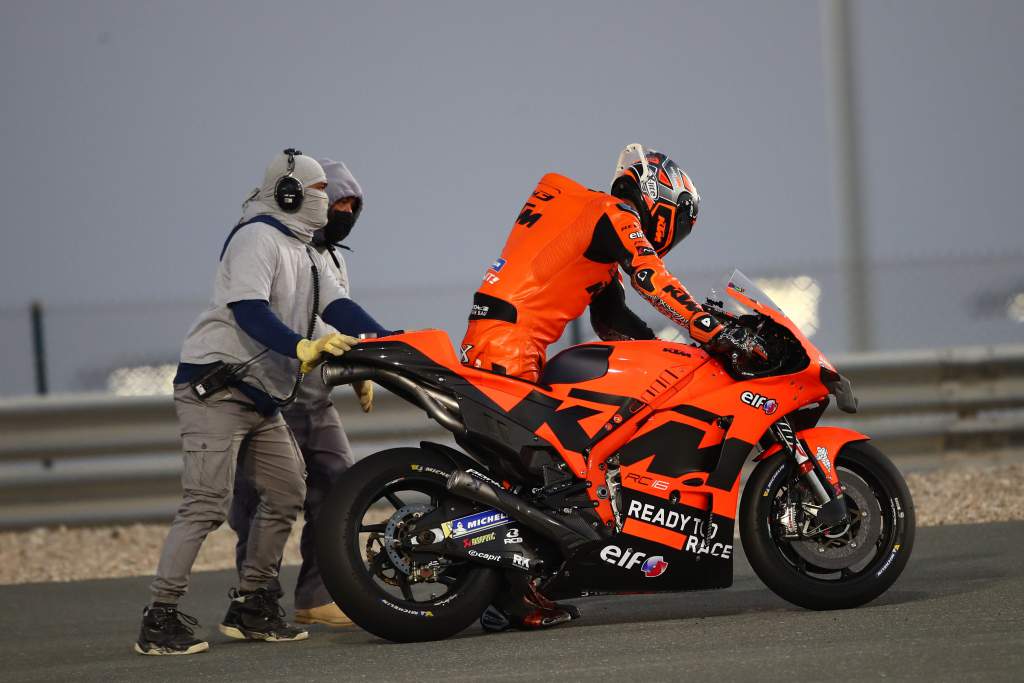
x=663, y=194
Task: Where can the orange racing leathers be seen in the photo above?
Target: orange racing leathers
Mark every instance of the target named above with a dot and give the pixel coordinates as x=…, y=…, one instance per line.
x=565, y=249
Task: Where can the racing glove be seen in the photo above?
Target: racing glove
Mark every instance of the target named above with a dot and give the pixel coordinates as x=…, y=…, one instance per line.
x=704, y=327
x=364, y=390
x=309, y=351
x=736, y=342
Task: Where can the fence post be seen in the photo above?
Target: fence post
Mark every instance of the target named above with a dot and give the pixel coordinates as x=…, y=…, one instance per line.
x=39, y=347
x=837, y=42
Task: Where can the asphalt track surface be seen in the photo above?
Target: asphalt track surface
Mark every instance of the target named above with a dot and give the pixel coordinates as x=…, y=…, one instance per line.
x=957, y=613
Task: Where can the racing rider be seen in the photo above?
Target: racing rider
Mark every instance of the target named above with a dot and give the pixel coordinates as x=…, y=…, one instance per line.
x=564, y=253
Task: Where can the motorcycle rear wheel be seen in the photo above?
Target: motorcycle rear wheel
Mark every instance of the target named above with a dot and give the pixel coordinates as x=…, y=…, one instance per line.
x=375, y=593
x=849, y=573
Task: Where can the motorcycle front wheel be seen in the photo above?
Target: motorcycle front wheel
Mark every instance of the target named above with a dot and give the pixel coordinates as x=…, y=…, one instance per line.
x=364, y=555
x=843, y=566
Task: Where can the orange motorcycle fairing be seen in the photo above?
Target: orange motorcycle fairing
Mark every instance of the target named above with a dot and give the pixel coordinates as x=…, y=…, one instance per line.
x=823, y=445
x=658, y=431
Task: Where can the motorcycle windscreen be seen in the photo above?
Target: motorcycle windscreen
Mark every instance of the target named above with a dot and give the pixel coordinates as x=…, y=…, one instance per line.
x=739, y=282
x=796, y=297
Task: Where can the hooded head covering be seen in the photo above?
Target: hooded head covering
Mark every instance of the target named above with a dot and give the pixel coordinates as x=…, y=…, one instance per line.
x=311, y=216
x=340, y=184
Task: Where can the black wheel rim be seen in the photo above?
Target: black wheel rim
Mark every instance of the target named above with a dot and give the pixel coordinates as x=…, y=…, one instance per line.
x=415, y=580
x=884, y=502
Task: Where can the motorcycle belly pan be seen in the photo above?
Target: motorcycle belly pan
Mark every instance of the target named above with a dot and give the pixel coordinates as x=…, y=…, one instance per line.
x=660, y=548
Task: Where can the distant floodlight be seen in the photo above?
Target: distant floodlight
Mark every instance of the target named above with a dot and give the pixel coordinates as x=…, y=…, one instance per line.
x=143, y=380
x=1015, y=307
x=798, y=298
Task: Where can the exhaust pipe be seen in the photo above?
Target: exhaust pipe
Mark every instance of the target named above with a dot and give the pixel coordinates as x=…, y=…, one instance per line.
x=437, y=405
x=486, y=494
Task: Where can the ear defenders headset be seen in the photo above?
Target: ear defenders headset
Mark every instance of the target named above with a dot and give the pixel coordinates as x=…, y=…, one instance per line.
x=288, y=192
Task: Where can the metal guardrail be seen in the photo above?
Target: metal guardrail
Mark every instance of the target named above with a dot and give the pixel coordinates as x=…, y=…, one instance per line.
x=82, y=459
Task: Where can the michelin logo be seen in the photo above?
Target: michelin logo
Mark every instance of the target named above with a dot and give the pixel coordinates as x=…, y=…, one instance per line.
x=471, y=524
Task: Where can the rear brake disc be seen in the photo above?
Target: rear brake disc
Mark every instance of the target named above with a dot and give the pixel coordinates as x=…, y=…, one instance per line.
x=393, y=533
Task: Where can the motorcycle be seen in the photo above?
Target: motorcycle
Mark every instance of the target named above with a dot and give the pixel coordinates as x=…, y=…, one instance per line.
x=617, y=472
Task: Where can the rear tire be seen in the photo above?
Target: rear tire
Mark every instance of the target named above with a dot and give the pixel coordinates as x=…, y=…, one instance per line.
x=787, y=570
x=350, y=580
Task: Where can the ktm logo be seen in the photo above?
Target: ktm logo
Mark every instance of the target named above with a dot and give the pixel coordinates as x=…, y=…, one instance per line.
x=683, y=298
x=528, y=216
x=659, y=234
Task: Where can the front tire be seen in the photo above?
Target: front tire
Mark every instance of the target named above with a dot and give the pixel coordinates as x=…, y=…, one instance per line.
x=834, y=569
x=375, y=593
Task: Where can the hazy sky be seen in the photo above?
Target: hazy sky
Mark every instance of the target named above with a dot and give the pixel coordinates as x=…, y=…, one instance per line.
x=133, y=130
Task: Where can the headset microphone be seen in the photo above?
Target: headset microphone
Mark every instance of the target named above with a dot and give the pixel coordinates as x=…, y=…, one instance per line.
x=288, y=192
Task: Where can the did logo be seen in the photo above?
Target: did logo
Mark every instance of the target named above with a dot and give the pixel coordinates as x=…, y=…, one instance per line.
x=767, y=404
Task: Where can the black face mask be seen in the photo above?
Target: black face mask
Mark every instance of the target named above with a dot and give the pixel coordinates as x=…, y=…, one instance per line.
x=339, y=225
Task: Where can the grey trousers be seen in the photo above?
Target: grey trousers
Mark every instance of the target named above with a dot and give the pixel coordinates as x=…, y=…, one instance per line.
x=212, y=433
x=327, y=453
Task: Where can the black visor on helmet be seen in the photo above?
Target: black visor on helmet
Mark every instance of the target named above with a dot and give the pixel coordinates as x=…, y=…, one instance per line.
x=686, y=215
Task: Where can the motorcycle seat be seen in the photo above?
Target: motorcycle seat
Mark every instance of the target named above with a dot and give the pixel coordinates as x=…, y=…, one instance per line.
x=576, y=364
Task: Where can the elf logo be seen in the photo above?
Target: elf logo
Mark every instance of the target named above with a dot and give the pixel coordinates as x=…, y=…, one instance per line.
x=765, y=403
x=652, y=567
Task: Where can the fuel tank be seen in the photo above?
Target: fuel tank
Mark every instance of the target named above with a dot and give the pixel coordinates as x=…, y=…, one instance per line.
x=640, y=370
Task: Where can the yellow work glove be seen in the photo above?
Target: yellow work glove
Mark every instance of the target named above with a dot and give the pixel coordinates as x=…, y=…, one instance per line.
x=364, y=390
x=309, y=350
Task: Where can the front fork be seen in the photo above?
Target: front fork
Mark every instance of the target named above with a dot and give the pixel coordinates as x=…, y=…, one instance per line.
x=833, y=505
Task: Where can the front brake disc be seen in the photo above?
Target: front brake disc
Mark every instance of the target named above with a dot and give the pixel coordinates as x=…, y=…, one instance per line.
x=864, y=527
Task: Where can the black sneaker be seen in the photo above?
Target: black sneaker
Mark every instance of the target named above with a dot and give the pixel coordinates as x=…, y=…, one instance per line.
x=257, y=616
x=166, y=631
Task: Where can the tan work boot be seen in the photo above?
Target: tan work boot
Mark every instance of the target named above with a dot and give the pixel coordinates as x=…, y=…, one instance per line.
x=329, y=614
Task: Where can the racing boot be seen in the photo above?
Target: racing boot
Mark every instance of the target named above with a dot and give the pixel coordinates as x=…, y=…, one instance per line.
x=166, y=631
x=256, y=615
x=524, y=608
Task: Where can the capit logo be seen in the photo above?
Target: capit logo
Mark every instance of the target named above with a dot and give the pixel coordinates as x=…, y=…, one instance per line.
x=766, y=403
